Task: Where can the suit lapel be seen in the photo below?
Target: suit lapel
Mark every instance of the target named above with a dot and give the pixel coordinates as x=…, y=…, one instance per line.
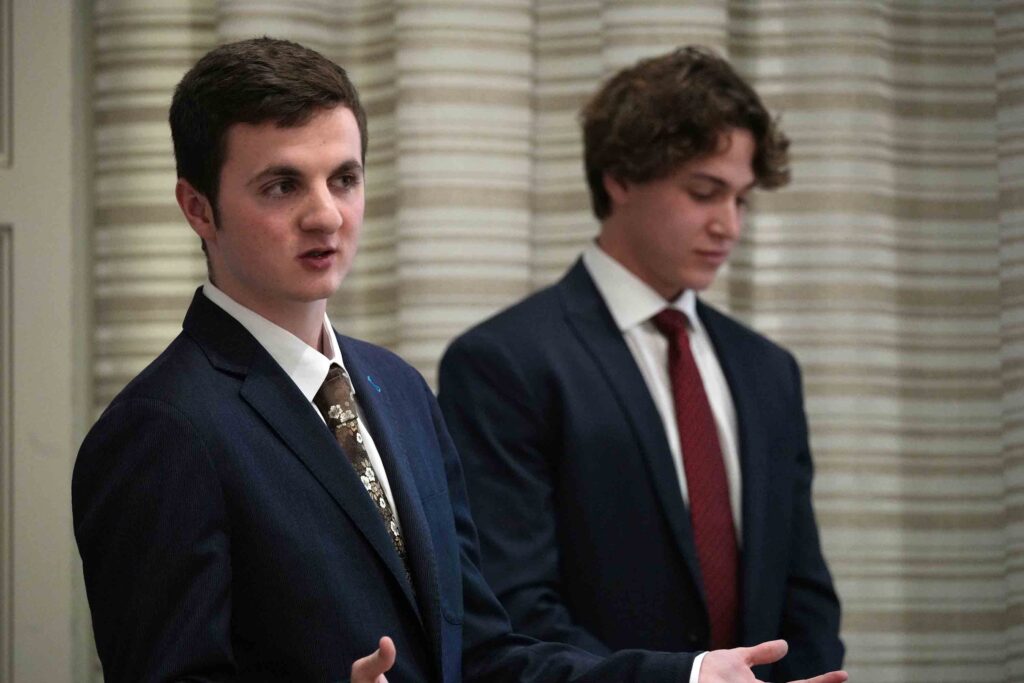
x=384, y=414
x=274, y=396
x=292, y=417
x=739, y=375
x=596, y=331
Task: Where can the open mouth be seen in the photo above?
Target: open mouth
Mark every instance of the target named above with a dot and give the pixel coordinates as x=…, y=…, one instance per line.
x=318, y=253
x=318, y=259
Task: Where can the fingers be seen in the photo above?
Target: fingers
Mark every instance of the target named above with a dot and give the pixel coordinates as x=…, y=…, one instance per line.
x=371, y=669
x=766, y=653
x=830, y=677
x=387, y=652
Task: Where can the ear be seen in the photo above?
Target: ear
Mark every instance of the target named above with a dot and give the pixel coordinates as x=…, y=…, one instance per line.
x=197, y=209
x=617, y=189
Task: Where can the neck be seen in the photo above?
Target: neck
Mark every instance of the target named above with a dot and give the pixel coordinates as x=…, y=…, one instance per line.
x=623, y=257
x=323, y=345
x=307, y=325
x=305, y=321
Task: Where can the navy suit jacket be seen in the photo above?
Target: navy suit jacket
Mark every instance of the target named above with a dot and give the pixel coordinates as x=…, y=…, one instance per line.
x=225, y=536
x=584, y=534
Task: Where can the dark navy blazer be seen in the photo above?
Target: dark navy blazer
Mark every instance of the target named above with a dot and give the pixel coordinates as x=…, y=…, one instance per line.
x=224, y=535
x=584, y=534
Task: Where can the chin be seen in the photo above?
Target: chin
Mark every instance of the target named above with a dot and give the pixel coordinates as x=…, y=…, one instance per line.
x=328, y=286
x=311, y=294
x=701, y=282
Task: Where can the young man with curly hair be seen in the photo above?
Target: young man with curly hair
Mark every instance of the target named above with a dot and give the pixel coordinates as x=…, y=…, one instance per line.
x=637, y=461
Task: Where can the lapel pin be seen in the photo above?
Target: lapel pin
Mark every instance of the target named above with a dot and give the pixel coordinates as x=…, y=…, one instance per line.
x=372, y=383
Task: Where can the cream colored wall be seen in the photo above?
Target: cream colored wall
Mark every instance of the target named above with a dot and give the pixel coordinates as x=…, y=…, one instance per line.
x=44, y=220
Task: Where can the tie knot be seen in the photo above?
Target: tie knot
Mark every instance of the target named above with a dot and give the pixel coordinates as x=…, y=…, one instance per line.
x=336, y=385
x=671, y=322
x=334, y=374
x=334, y=399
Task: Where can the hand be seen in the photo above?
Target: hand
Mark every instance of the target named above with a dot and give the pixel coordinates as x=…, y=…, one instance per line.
x=733, y=666
x=371, y=669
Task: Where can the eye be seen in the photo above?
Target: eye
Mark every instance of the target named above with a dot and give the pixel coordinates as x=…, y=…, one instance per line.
x=703, y=192
x=279, y=188
x=348, y=180
x=700, y=195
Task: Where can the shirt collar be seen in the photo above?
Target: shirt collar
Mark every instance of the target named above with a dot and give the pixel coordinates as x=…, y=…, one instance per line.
x=306, y=366
x=631, y=301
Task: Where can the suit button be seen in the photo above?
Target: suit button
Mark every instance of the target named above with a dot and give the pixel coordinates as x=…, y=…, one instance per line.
x=694, y=636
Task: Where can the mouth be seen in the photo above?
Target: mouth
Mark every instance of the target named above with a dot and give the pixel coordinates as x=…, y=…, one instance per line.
x=318, y=257
x=714, y=256
x=317, y=253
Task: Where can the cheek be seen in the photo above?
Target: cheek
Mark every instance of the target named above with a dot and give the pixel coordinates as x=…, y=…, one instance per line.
x=355, y=211
x=355, y=220
x=353, y=223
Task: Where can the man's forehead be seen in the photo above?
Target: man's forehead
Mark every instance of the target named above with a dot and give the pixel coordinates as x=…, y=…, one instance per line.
x=292, y=123
x=333, y=131
x=731, y=163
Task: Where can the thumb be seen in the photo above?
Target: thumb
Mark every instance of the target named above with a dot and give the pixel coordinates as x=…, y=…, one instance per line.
x=764, y=653
x=372, y=667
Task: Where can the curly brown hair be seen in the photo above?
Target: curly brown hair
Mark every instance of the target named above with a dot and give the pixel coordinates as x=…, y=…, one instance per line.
x=649, y=119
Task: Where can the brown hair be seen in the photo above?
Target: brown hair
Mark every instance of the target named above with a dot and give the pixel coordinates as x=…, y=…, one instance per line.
x=251, y=81
x=649, y=119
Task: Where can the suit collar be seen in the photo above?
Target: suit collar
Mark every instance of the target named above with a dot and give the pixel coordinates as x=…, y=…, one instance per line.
x=630, y=300
x=275, y=397
x=305, y=365
x=226, y=343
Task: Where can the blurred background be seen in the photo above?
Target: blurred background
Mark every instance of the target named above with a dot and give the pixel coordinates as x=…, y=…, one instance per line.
x=893, y=265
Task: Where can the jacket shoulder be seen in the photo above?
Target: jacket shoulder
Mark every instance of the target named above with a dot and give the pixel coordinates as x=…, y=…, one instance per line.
x=181, y=365
x=527, y=322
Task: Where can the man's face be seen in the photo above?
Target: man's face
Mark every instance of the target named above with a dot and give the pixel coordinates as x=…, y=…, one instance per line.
x=675, y=232
x=290, y=208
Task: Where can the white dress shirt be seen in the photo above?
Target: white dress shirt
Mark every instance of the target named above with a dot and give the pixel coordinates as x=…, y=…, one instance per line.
x=306, y=366
x=632, y=304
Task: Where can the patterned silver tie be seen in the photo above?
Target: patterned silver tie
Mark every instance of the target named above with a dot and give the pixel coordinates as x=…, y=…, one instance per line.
x=336, y=402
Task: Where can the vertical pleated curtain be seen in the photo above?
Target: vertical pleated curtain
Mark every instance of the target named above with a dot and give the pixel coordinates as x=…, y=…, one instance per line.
x=1009, y=266
x=893, y=265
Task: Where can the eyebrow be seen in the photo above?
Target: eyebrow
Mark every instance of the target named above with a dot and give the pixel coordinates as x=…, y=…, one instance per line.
x=286, y=171
x=722, y=183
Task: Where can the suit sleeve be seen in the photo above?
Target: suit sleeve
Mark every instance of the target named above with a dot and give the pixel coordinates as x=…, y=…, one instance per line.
x=152, y=531
x=493, y=654
x=499, y=421
x=810, y=613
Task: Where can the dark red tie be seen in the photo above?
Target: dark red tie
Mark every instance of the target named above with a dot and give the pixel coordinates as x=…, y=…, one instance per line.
x=710, y=514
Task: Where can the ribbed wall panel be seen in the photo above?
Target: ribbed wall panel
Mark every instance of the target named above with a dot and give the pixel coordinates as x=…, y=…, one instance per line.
x=1010, y=145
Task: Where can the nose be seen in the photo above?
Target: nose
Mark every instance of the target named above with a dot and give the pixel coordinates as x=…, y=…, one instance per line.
x=727, y=222
x=320, y=211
